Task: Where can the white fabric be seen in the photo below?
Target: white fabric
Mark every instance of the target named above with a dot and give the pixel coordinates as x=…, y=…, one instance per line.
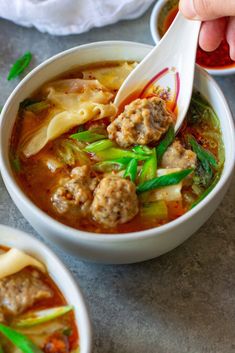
x=62, y=17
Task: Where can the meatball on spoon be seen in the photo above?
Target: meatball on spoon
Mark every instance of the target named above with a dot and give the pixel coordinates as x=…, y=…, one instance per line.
x=170, y=64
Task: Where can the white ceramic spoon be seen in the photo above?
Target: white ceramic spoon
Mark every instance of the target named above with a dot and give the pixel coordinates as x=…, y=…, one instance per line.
x=171, y=65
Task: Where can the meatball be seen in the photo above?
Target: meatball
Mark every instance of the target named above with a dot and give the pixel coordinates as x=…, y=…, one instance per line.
x=143, y=121
x=22, y=290
x=75, y=194
x=115, y=201
x=176, y=156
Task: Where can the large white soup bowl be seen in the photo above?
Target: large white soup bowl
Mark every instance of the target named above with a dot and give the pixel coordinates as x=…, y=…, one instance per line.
x=113, y=248
x=10, y=237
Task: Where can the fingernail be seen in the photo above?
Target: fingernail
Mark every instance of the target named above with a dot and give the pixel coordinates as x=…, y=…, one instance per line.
x=188, y=9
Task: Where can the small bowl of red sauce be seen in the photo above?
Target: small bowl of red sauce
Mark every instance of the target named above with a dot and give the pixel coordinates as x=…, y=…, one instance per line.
x=217, y=62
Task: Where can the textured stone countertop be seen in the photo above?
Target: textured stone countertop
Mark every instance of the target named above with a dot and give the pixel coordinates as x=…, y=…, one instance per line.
x=182, y=302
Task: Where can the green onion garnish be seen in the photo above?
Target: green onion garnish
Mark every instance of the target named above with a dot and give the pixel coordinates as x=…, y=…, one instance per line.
x=19, y=66
x=164, y=180
x=131, y=170
x=87, y=136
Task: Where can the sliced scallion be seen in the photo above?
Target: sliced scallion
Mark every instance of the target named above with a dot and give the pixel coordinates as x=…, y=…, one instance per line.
x=98, y=146
x=19, y=66
x=164, y=180
x=87, y=136
x=19, y=340
x=165, y=143
x=114, y=153
x=39, y=317
x=149, y=168
x=131, y=170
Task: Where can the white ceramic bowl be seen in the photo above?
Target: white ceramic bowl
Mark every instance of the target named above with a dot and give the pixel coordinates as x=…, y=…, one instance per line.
x=154, y=20
x=11, y=237
x=115, y=248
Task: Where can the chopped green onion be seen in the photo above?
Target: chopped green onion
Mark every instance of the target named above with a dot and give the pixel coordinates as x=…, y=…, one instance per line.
x=142, y=150
x=164, y=180
x=207, y=191
x=149, y=168
x=99, y=146
x=202, y=154
x=16, y=165
x=131, y=170
x=87, y=136
x=165, y=143
x=1, y=350
x=38, y=106
x=19, y=66
x=112, y=165
x=153, y=210
x=39, y=317
x=19, y=340
x=114, y=153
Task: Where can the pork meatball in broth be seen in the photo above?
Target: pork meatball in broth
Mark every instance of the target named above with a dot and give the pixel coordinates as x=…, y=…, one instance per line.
x=144, y=121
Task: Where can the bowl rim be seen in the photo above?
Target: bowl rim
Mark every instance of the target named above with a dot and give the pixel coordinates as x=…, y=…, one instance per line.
x=156, y=38
x=41, y=252
x=73, y=234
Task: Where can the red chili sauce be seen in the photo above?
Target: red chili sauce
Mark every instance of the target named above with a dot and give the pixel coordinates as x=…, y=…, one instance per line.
x=217, y=59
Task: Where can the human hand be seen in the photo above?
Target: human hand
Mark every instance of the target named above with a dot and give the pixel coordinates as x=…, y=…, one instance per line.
x=218, y=18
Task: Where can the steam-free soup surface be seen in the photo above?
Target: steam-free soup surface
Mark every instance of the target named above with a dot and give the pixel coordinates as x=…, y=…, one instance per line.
x=97, y=169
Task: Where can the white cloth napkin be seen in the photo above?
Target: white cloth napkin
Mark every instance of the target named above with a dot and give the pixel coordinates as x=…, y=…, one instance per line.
x=63, y=17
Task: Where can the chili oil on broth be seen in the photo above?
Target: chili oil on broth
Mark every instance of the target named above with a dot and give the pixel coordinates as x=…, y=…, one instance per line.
x=38, y=181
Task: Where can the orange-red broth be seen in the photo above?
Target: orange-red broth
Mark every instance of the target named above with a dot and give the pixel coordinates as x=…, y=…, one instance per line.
x=38, y=182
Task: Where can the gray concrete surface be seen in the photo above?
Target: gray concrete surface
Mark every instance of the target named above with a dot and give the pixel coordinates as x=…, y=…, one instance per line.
x=183, y=302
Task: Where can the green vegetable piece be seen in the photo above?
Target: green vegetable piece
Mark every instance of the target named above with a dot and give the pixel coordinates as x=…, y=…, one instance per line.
x=19, y=66
x=109, y=166
x=203, y=155
x=114, y=153
x=39, y=317
x=19, y=340
x=164, y=180
x=38, y=106
x=131, y=170
x=207, y=191
x=87, y=136
x=156, y=209
x=99, y=146
x=149, y=168
x=142, y=150
x=1, y=349
x=203, y=111
x=16, y=165
x=165, y=143
x=70, y=152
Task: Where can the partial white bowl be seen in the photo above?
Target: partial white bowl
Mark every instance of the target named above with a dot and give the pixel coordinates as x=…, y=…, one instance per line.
x=156, y=37
x=113, y=248
x=11, y=237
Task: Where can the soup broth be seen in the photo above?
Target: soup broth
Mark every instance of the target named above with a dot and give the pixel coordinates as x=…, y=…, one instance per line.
x=87, y=165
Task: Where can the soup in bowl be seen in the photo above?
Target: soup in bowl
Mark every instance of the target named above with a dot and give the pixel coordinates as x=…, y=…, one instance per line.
x=37, y=314
x=109, y=184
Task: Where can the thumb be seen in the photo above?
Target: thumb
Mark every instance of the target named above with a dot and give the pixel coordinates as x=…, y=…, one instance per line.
x=207, y=9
